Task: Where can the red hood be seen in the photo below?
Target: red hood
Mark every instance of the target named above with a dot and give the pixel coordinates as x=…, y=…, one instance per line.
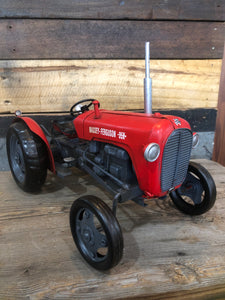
x=132, y=132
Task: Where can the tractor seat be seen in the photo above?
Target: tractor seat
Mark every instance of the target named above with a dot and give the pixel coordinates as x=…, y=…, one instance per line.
x=64, y=126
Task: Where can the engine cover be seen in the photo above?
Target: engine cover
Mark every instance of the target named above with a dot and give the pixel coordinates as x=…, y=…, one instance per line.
x=133, y=132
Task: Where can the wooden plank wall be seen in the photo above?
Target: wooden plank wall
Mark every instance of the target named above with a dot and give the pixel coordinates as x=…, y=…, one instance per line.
x=57, y=52
x=54, y=85
x=219, y=142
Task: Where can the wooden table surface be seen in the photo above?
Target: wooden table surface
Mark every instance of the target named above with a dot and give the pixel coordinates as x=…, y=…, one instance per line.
x=167, y=255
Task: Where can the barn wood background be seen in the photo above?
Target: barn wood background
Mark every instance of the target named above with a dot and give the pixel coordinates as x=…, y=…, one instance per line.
x=54, y=53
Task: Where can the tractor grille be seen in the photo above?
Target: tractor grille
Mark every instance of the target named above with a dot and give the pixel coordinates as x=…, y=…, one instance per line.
x=176, y=158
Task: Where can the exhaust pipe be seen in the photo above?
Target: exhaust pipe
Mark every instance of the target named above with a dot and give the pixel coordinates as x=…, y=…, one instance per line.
x=147, y=81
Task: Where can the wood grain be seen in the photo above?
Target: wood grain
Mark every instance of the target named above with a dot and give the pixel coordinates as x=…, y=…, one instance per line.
x=113, y=9
x=55, y=85
x=167, y=255
x=80, y=39
x=219, y=142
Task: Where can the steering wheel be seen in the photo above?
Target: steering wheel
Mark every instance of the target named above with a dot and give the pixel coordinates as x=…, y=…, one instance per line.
x=83, y=108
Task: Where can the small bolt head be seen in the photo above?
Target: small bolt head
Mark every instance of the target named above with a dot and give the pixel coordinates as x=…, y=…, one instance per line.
x=103, y=242
x=87, y=214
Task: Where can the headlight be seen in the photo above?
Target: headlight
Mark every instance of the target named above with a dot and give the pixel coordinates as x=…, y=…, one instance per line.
x=195, y=140
x=152, y=152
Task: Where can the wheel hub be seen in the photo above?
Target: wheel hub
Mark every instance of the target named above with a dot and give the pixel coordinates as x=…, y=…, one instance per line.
x=192, y=188
x=88, y=235
x=17, y=160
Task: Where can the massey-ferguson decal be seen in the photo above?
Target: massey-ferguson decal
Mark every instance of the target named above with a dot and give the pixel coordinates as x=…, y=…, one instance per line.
x=107, y=132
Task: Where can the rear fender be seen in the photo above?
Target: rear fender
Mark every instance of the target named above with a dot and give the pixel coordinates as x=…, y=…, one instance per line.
x=35, y=128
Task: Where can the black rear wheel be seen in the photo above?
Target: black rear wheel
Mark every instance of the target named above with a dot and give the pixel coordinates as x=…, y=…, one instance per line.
x=27, y=156
x=96, y=232
x=197, y=194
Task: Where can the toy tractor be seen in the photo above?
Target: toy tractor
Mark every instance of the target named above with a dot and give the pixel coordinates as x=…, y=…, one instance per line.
x=133, y=155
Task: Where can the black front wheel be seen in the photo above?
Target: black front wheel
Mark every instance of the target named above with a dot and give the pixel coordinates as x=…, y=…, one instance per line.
x=96, y=232
x=27, y=156
x=197, y=194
